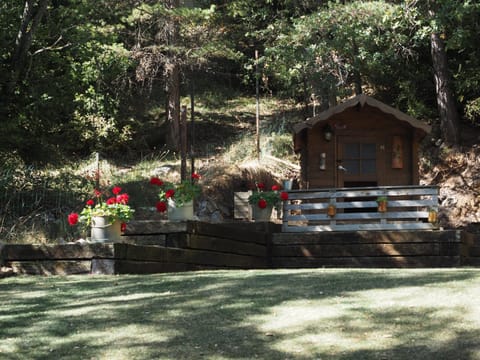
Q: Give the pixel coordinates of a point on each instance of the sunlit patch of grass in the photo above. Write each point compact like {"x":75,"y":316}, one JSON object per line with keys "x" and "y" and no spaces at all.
{"x":267,"y":314}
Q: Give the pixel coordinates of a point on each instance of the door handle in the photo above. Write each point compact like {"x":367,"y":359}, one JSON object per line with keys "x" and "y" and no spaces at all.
{"x":342,"y":168}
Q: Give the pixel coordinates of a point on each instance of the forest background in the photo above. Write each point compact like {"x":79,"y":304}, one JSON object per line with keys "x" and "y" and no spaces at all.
{"x":81,"y":77}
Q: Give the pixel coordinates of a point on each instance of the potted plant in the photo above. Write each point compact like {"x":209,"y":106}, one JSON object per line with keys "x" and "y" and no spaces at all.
{"x":382,"y":203}
{"x":263,"y":201}
{"x":177,"y":199}
{"x":106,"y":213}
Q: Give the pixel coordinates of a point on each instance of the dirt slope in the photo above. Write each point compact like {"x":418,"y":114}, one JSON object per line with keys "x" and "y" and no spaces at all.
{"x":457,"y":173}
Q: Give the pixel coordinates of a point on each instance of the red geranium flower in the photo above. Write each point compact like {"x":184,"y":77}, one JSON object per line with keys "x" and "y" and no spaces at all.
{"x":195,"y":176}
{"x":123,"y":199}
{"x":73,"y":219}
{"x":111,"y":201}
{"x":262,"y":203}
{"x":156,"y":181}
{"x":169,"y":193}
{"x":161,"y":206}
{"x":284,"y":195}
{"x":261,"y":186}
{"x":276,"y":187}
{"x":123,"y":227}
{"x":115,"y":207}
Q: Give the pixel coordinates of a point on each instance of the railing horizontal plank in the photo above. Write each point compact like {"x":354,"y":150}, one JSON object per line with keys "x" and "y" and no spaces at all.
{"x":356,"y":209}
{"x":358,"y":227}
{"x":359,"y":216}
{"x":361,"y":204}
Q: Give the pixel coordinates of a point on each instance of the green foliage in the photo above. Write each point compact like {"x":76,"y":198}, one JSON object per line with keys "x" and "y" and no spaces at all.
{"x":262,"y":198}
{"x":281,"y":145}
{"x":83,"y":87}
{"x":34,"y":200}
{"x":472,"y":111}
{"x":181,"y":193}
{"x":320,"y":53}
{"x":114,"y":208}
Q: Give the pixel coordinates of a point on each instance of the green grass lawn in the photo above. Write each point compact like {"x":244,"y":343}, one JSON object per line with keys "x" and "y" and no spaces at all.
{"x":268,"y":314}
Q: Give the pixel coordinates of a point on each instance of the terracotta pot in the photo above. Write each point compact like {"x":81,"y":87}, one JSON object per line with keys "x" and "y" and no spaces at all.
{"x":382,"y":206}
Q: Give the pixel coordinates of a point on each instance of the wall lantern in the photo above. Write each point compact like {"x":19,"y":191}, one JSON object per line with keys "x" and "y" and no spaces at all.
{"x":327,"y":132}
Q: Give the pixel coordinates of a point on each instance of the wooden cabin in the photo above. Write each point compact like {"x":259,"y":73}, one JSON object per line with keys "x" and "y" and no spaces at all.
{"x":358,"y":143}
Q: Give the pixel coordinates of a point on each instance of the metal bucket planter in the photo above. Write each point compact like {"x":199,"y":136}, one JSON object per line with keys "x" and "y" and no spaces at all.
{"x":103,"y":231}
{"x":259,"y":214}
{"x":287,"y":185}
{"x":180,"y":213}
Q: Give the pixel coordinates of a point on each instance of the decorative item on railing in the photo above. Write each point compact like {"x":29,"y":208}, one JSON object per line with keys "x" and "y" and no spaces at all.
{"x":408,"y":209}
{"x":432,"y":216}
{"x":331,"y":210}
{"x":382,"y":202}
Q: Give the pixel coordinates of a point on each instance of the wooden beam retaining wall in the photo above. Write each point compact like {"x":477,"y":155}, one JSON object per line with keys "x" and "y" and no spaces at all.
{"x":152,"y":247}
{"x":367,"y":249}
{"x":160,"y":246}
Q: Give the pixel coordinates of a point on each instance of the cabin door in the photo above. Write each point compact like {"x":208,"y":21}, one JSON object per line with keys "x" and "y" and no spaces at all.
{"x":359,"y":161}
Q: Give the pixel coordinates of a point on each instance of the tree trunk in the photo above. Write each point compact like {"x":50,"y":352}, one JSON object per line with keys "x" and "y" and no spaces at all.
{"x":172,"y":75}
{"x":447,"y":108}
{"x":31,"y":18}
{"x":357,"y":78}
{"x":32,"y":15}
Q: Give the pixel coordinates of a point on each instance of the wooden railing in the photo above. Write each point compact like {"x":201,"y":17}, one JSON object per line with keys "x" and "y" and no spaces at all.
{"x":353,"y":209}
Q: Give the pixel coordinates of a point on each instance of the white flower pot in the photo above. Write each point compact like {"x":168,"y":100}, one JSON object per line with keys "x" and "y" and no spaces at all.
{"x":103,"y":231}
{"x":180,"y":213}
{"x":259,"y":214}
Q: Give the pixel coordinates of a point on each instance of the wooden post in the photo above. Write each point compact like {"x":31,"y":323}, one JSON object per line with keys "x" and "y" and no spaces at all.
{"x":257,"y":112}
{"x":183,"y":142}
{"x":97,"y":171}
{"x":192,"y":124}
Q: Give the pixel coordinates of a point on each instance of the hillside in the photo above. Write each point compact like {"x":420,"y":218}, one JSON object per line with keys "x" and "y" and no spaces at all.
{"x":456,"y":172}
{"x":36,"y":200}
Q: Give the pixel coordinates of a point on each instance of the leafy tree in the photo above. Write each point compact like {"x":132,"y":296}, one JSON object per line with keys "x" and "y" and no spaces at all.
{"x":172,"y":40}
{"x":340,"y":49}
{"x":74,"y":73}
{"x":70,"y":87}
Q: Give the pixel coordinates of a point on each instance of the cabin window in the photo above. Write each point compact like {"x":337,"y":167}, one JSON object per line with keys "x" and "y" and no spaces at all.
{"x":360,"y":158}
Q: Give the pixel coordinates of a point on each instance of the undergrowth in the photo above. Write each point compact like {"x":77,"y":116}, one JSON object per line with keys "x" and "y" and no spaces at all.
{"x":35,"y":200}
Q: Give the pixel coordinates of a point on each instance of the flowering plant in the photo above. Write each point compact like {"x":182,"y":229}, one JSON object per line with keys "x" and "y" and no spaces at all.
{"x":115,"y":207}
{"x":263,"y":198}
{"x":181,"y":193}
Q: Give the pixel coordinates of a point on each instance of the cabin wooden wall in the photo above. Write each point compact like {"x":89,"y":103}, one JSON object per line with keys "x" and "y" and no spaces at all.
{"x":361,"y":122}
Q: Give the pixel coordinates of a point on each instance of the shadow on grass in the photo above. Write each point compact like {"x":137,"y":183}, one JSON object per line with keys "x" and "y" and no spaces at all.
{"x":298,"y":314}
